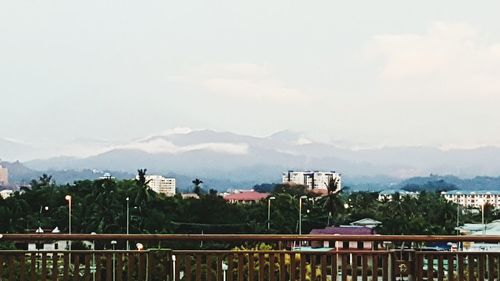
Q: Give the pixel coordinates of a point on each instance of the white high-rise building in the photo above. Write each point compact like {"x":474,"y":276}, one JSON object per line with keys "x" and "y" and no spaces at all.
{"x":315,"y":180}
{"x":4,"y":176}
{"x":161,"y":184}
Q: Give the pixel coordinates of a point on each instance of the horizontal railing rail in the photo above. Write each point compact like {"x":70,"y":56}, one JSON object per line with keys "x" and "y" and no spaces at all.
{"x":247,"y":237}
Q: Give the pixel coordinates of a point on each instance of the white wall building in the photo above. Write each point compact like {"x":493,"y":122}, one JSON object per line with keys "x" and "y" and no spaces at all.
{"x":161,"y":184}
{"x":473,"y":199}
{"x":388,"y":195}
{"x":312,"y":179}
{"x":6,"y":193}
{"x":4,"y":176}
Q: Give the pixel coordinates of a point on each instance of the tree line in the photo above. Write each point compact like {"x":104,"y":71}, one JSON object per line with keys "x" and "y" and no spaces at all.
{"x":101,"y":206}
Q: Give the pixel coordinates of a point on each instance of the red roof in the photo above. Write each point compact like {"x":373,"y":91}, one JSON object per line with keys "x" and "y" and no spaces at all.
{"x":347,"y":230}
{"x":246,"y":196}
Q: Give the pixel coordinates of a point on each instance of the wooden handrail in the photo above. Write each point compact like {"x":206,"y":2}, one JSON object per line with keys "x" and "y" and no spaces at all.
{"x":246,"y":237}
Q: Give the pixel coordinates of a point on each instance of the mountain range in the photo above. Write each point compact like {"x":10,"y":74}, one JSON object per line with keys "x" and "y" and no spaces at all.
{"x":242,"y":158}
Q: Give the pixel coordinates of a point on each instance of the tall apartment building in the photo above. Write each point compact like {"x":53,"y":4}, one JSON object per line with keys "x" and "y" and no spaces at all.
{"x":4,"y":176}
{"x":473,"y":199}
{"x":161,"y":185}
{"x":315,"y":180}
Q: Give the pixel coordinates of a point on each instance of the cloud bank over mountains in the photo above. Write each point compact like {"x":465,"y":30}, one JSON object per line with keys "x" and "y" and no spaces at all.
{"x":214,"y":154}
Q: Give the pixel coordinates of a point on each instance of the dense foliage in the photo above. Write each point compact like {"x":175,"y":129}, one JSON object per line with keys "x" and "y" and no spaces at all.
{"x":100,"y":206}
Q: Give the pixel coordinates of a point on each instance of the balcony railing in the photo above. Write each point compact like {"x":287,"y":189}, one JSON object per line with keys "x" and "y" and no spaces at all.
{"x":242,"y":257}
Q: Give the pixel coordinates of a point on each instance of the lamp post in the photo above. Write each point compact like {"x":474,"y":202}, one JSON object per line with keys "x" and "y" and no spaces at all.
{"x":300,"y":213}
{"x":68,"y":198}
{"x":128,"y":220}
{"x":269,"y":212}
{"x":482,"y":202}
{"x":113,"y":244}
{"x":93,"y":267}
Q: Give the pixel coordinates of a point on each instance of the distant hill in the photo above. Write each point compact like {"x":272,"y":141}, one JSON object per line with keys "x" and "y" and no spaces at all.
{"x":237,"y":159}
{"x":476,"y":183}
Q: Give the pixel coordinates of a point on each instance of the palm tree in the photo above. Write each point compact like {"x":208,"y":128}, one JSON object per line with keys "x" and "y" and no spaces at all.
{"x":197,"y":186}
{"x":333,"y":202}
{"x":143,"y":193}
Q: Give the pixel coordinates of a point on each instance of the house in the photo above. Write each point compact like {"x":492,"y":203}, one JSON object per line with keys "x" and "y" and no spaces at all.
{"x":345,"y":230}
{"x":347,"y":246}
{"x":475,"y":229}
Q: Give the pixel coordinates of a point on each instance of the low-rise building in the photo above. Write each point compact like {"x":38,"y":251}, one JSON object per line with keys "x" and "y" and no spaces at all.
{"x":245,"y":196}
{"x":6,"y":193}
{"x":473,"y":199}
{"x":345,"y":230}
{"x":161,"y":184}
{"x":190,"y":196}
{"x":314,"y":180}
{"x":388,"y":195}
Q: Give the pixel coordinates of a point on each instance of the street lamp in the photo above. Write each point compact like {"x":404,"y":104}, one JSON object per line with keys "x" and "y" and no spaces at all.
{"x":300,"y":213}
{"x":128,"y":220}
{"x":269,"y":212}
{"x":68,"y":198}
{"x":113,"y":244}
{"x":482,"y":202}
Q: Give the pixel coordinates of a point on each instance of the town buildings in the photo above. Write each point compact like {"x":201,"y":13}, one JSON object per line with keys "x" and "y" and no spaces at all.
{"x":314,"y":180}
{"x":4,"y":176}
{"x":161,"y":184}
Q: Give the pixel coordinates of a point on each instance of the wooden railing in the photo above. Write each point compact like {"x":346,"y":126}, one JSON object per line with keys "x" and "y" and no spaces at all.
{"x":84,"y":265}
{"x":199,"y":257}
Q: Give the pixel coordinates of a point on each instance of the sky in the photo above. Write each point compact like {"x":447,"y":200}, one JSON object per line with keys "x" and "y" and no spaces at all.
{"x":356,"y":73}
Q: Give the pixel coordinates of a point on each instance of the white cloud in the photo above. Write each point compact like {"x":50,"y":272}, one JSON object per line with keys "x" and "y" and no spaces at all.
{"x":163,"y":146}
{"x":448,"y":60}
{"x":242,"y":80}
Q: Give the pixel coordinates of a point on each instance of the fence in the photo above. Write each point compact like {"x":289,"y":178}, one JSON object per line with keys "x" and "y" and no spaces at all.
{"x":395,"y":258}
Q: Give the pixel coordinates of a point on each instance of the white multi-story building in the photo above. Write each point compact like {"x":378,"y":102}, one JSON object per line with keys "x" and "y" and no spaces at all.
{"x":4,"y":176}
{"x":473,"y":199}
{"x":161,"y":184}
{"x":316,"y":180}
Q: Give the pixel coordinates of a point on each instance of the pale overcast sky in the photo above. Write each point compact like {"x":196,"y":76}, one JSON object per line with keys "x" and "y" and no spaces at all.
{"x":354,"y":72}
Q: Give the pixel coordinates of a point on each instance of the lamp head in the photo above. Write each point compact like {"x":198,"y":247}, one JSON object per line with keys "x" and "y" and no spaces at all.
{"x":67,"y":197}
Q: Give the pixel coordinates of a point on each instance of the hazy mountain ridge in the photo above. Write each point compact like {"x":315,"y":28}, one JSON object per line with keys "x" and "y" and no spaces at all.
{"x":242,"y":158}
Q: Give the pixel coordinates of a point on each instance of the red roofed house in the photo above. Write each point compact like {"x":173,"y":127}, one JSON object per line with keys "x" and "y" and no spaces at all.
{"x":345,"y":230}
{"x":246,"y":197}
{"x":347,"y":245}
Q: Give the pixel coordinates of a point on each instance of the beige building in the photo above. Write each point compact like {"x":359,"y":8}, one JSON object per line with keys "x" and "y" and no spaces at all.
{"x":4,"y":176}
{"x":161,"y":185}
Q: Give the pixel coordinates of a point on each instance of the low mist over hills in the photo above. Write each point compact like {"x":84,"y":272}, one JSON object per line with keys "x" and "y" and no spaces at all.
{"x":241,"y":158}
